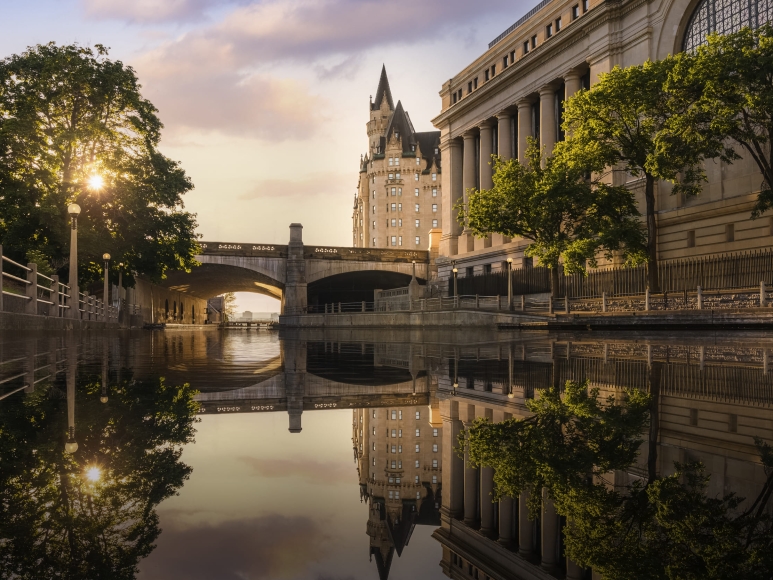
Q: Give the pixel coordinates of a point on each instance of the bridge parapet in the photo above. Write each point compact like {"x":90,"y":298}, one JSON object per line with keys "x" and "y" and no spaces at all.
{"x":251,"y":250}
{"x":244,"y":250}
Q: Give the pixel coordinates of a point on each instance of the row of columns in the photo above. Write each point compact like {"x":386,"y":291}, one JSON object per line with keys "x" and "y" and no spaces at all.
{"x":463,"y":161}
{"x":471,"y":492}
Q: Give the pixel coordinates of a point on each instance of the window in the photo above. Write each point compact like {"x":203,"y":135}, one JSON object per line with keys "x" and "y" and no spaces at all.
{"x":418,"y":161}
{"x":374,"y":223}
{"x":434,"y":223}
{"x":434,"y":463}
{"x":434,"y":208}
{"x":418,"y":414}
{"x":399,"y":191}
{"x":485,"y":75}
{"x":394,"y":415}
{"x":399,"y":432}
{"x":434,"y":177}
{"x":730,"y":232}
{"x":397,"y":162}
{"x":526,"y":47}
{"x":400,"y":415}
{"x":374,"y":242}
{"x":416,"y":177}
{"x":393,"y":191}
{"x":417,"y":223}
{"x":416,"y":192}
{"x":732,"y":423}
{"x":400,"y":240}
{"x":400,"y":222}
{"x":397,"y":480}
{"x":399,"y":448}
{"x":693,"y":417}
{"x":391,"y":494}
{"x":505,"y":61}
{"x":374,"y":414}
{"x":399,"y":464}
{"x":374,"y":194}
{"x":391,"y":176}
{"x":391,"y":479}
{"x":394,"y":449}
{"x":397,"y":176}
{"x":434,"y":192}
{"x":374,"y":209}
{"x":691,"y":239}
{"x":558,"y":24}
{"x":434,"y":447}
{"x":374,"y":447}
{"x":487,"y":268}
{"x":417,"y":207}
{"x":393,"y":207}
{"x":475,"y":83}
{"x":418,"y":240}
{"x":399,"y":207}
{"x":434,"y":479}
{"x":418,"y":493}
{"x":417,"y":463}
{"x":394,"y":222}
{"x":584,"y":6}
{"x":374,"y":430}
{"x":390,"y":162}
{"x":374,"y":459}
{"x":394,"y":433}
{"x":534,"y":41}
{"x":417,"y":448}
{"x":512,"y":56}
{"x":470,"y":271}
{"x":469,"y":87}
{"x":434,"y":432}
{"x":418,"y":433}
{"x":549,"y":31}
{"x":575,"y":11}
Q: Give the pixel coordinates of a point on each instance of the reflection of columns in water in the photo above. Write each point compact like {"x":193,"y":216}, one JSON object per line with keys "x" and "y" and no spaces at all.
{"x":550,"y":528}
{"x":506,"y":521}
{"x":487,"y":506}
{"x":71,"y":446}
{"x":525,"y":526}
{"x":453,"y":465}
{"x":471,"y":477}
{"x":295,"y":380}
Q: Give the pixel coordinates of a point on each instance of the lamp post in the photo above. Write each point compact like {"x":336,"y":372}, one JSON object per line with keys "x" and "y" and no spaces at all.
{"x":456,"y":294}
{"x":509,"y":283}
{"x":71,"y":445}
{"x":74,"y":211}
{"x":105,"y":302}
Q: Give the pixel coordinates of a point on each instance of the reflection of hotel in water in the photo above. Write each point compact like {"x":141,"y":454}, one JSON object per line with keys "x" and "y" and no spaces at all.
{"x":713,"y":400}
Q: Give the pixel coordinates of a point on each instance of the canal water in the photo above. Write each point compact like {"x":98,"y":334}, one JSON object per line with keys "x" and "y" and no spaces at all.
{"x":244,"y":454}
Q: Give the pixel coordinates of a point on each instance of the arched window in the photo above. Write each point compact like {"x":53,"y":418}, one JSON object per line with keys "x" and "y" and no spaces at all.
{"x":725,"y":17}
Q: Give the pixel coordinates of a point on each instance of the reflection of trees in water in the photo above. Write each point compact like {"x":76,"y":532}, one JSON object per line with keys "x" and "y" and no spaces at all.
{"x":90,"y":514}
{"x":658,"y":528}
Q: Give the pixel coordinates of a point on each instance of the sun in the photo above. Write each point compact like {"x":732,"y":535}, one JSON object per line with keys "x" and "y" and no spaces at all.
{"x":93,"y":474}
{"x":96,"y":182}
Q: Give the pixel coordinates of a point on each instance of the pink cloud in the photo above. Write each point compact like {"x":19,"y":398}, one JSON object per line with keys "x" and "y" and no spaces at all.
{"x":314,"y":471}
{"x":150,"y":11}
{"x":315,"y":184}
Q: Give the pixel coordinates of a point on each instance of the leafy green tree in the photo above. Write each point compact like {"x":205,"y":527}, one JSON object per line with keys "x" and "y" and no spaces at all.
{"x":74,"y":128}
{"x":614,"y":127}
{"x":60,"y":519}
{"x":568,"y":218}
{"x":662,"y":529}
{"x":724,"y":93}
{"x":229,"y":305}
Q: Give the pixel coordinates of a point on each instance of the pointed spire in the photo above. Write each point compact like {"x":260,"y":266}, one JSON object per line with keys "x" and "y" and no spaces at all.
{"x":383,"y":91}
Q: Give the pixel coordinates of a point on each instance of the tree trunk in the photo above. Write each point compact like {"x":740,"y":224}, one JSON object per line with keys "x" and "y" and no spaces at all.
{"x":554,"y":281}
{"x":652,"y":454}
{"x":652,"y":234}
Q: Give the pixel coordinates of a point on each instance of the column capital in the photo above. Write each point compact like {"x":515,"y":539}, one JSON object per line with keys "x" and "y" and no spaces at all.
{"x":524,"y":103}
{"x":485,"y":125}
{"x":449,"y":144}
{"x":572,"y":75}
{"x":503,"y":116}
{"x":469,"y":134}
{"x":547,"y":90}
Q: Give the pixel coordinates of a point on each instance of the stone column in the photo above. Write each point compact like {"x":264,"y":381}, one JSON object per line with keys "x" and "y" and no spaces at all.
{"x":471,"y":477}
{"x":486,"y":150}
{"x":453,"y":465}
{"x":452,"y":190}
{"x":573,"y":571}
{"x":547,"y":124}
{"x":524,"y":128}
{"x":506,"y":521}
{"x":525,"y":525}
{"x":294,"y":299}
{"x":572,"y":83}
{"x":504,"y":143}
{"x":468,"y":182}
{"x":486,"y":501}
{"x":294,"y":360}
{"x":550,"y":529}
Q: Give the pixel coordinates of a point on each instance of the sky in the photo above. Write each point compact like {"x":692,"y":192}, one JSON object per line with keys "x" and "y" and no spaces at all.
{"x":264,"y":102}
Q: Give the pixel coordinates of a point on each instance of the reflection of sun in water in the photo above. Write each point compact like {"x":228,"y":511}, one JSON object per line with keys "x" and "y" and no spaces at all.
{"x":93,"y":474}
{"x":96,"y":182}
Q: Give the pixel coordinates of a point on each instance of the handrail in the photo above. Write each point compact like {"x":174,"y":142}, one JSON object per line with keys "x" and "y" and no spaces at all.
{"x":7,"y":275}
{"x":7,"y":259}
{"x":45,"y":277}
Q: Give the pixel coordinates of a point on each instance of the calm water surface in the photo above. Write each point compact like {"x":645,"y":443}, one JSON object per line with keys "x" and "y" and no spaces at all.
{"x":246,"y":455}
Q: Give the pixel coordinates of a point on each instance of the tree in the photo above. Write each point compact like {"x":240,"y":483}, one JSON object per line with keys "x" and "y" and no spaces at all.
{"x":55,"y":521}
{"x":74,"y":128}
{"x":229,"y":305}
{"x":663,"y":529}
{"x":616,"y":125}
{"x":725,"y":91}
{"x":568,"y":218}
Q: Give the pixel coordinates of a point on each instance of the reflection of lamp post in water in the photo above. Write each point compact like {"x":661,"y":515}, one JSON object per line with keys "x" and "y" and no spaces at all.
{"x":105,"y":302}
{"x":74,"y":210}
{"x":456,"y":295}
{"x":509,"y":283}
{"x":71,"y":446}
{"x":103,"y":398}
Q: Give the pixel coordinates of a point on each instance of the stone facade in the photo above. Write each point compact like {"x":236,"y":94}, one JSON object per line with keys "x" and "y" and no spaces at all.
{"x":516,"y":90}
{"x":399,"y":193}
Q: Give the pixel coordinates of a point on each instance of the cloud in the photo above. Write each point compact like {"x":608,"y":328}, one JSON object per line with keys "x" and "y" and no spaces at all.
{"x":151,"y":11}
{"x":272,"y":546}
{"x":313,"y":185}
{"x":313,"y":471}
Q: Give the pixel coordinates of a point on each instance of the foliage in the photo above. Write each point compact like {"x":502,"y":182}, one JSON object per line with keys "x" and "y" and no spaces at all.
{"x":724,"y":95}
{"x":68,"y":113}
{"x":615,"y":125}
{"x":664,"y":529}
{"x":39,"y":258}
{"x":568,"y":218}
{"x":229,"y":305}
{"x":54,"y":522}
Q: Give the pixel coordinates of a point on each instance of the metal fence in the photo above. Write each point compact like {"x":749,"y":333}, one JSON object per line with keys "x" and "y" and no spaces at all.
{"x":724,"y":272}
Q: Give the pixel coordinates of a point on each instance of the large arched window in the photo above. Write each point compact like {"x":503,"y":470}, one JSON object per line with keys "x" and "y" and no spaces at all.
{"x":724,"y":17}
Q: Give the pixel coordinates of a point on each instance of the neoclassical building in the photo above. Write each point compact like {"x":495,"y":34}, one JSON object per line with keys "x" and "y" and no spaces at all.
{"x":516,"y":89}
{"x":399,"y":192}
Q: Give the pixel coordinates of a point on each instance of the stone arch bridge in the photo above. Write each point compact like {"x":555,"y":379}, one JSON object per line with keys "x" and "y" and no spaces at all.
{"x":299,"y":275}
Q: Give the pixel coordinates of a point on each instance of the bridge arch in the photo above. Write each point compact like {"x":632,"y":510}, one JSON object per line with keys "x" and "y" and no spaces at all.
{"x":215,"y":277}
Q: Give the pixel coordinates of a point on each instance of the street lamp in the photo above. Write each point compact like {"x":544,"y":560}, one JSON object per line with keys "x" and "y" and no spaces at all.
{"x":74,"y":211}
{"x":106,"y":258}
{"x":509,"y":283}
